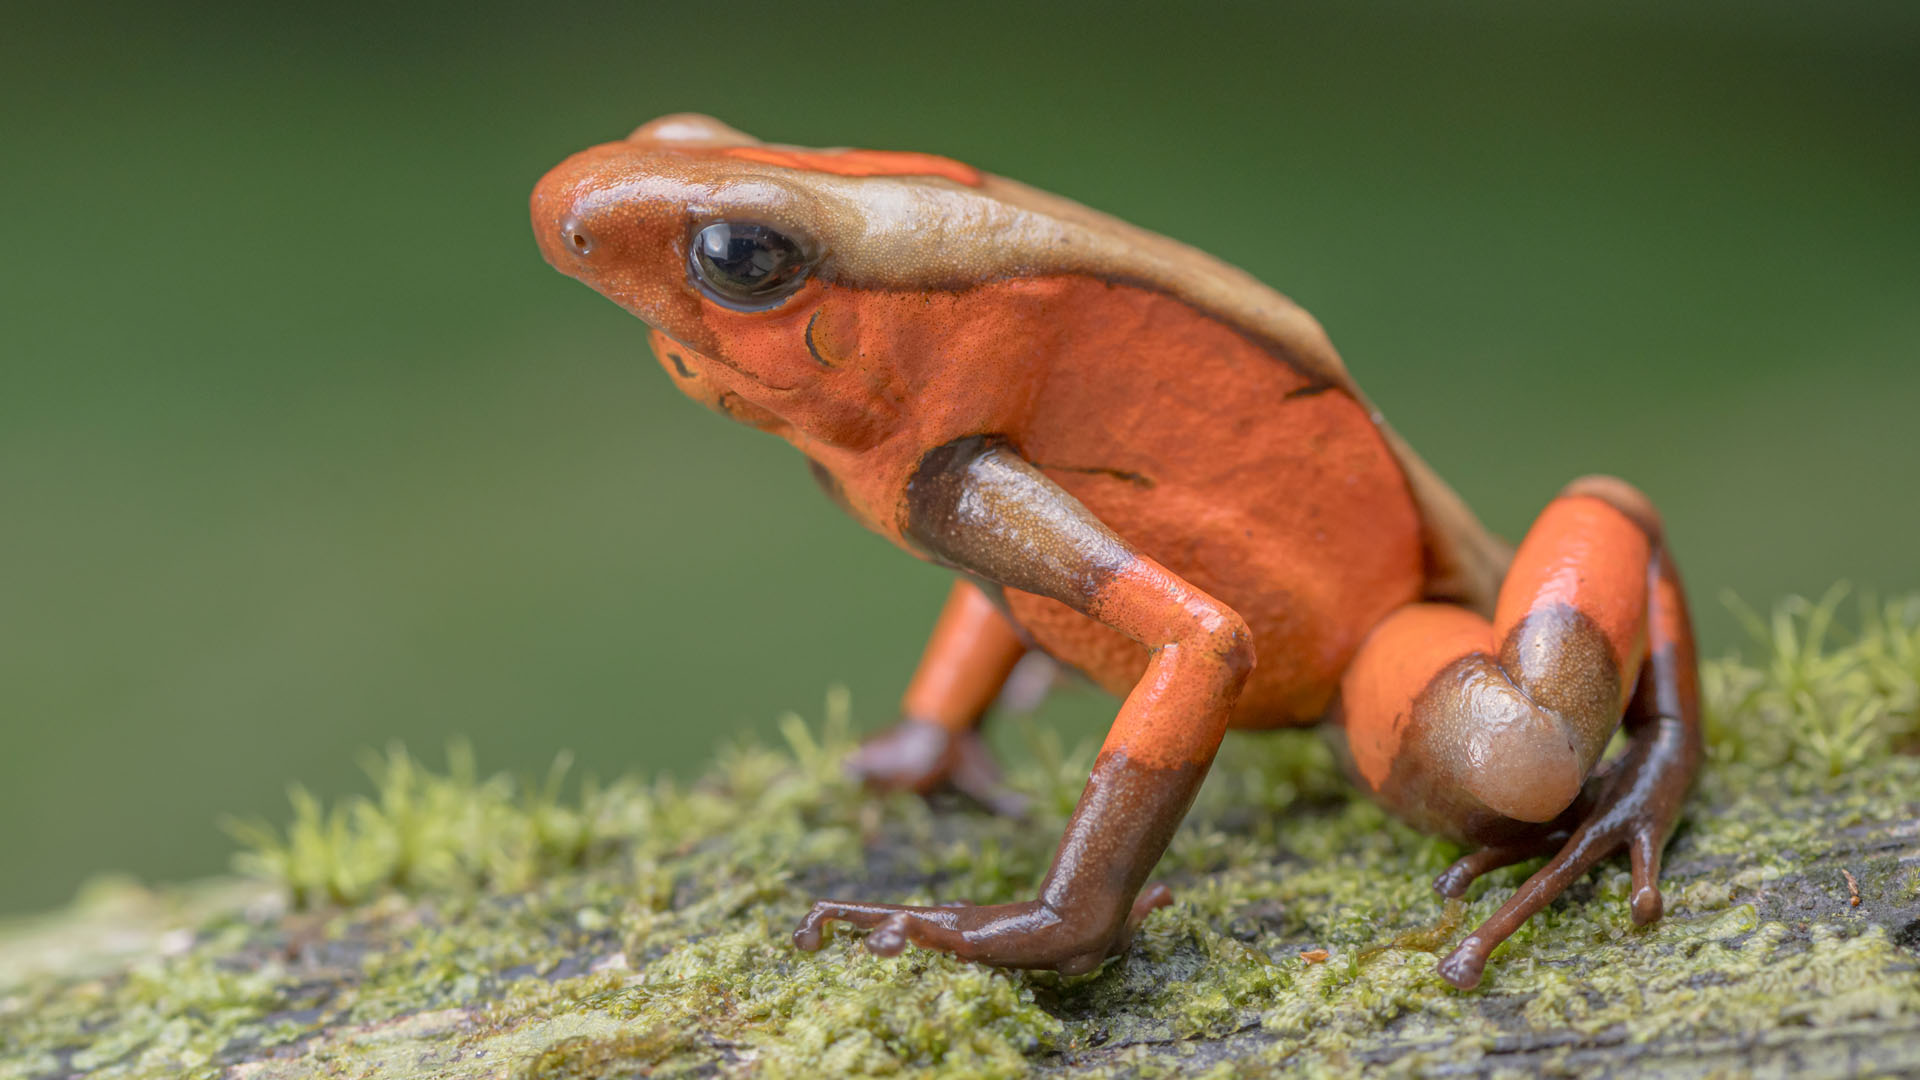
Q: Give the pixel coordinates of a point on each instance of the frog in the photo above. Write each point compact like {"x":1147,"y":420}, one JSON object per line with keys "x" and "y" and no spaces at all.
{"x":1154,"y":470}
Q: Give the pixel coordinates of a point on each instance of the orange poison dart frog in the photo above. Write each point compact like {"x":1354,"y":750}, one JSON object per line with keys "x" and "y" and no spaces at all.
{"x":1156,"y":470}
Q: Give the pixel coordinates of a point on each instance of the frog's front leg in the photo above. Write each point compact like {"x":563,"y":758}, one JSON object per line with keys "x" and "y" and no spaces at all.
{"x":977,"y":505}
{"x":937,"y":742}
{"x":1493,"y":732}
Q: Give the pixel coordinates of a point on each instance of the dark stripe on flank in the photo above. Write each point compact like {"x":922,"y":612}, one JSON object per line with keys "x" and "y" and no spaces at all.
{"x":1140,"y":480}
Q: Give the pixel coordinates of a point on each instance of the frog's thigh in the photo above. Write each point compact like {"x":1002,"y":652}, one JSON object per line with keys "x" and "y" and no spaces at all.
{"x":1468,"y":727}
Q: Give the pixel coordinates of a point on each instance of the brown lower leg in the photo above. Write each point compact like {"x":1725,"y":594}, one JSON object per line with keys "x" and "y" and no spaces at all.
{"x":1092,"y":897}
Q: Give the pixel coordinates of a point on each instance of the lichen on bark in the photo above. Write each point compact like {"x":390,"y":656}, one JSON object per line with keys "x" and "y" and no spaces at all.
{"x":453,"y":925}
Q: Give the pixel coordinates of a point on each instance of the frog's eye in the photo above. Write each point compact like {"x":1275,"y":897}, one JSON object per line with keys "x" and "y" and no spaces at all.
{"x":747,"y":266}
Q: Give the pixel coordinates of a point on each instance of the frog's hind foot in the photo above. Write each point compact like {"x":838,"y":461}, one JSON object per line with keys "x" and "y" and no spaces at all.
{"x":1455,"y":880}
{"x":1524,"y":844}
{"x":1636,"y":811}
{"x":1496,"y":729}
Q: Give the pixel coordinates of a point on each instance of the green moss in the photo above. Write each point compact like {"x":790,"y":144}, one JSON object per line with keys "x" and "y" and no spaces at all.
{"x":458,"y":925}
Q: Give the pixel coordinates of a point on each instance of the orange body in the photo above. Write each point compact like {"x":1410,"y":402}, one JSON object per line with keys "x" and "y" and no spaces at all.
{"x":1208,"y":453}
{"x":1158,"y":472}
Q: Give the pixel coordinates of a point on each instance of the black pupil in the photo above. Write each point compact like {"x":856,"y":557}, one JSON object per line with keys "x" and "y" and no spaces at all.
{"x":746,"y":262}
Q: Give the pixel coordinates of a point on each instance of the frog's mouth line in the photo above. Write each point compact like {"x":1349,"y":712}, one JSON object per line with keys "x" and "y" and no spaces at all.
{"x":744,"y":373}
{"x":680,"y":366}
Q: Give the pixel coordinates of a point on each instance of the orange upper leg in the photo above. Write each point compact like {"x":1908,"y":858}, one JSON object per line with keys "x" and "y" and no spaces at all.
{"x":1396,"y":662}
{"x":1583,"y":553}
{"x":1177,"y":714}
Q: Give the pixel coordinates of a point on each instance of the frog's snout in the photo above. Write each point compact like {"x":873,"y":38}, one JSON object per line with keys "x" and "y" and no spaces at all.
{"x":563,"y":222}
{"x":575,"y":237}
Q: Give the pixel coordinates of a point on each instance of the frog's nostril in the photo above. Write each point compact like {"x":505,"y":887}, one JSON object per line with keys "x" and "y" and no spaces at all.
{"x":575,"y":237}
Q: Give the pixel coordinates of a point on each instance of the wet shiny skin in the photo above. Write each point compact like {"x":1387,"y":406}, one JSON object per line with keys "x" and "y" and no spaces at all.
{"x":1155,"y":470}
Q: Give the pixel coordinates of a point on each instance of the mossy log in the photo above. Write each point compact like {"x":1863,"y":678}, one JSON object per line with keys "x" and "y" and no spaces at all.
{"x":453,"y":926}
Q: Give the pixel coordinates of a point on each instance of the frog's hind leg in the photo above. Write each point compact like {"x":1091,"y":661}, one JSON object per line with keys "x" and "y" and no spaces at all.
{"x":1491,"y":732}
{"x":937,"y":743}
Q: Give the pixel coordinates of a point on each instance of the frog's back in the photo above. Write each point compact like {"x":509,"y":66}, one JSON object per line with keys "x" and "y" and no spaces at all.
{"x":1461,"y":561}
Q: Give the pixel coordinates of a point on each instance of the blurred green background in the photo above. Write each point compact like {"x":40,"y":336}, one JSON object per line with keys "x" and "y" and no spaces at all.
{"x":304,"y":449}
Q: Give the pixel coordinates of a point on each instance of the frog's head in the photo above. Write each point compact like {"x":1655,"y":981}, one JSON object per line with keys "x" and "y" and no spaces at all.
{"x":819,"y":294}
{"x":730,"y":249}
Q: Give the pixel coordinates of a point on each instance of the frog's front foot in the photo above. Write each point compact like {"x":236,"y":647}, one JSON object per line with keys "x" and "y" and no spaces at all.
{"x":917,"y":756}
{"x":1023,"y":935}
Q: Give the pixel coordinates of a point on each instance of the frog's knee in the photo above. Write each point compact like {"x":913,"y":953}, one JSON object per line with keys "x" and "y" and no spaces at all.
{"x":1464,"y":737}
{"x":1490,"y":741}
{"x":1620,"y":495}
